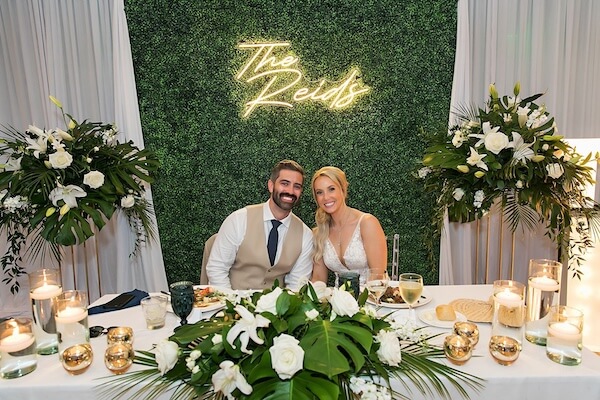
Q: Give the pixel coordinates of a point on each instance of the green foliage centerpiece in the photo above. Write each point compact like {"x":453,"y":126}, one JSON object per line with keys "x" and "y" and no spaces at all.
{"x":317,"y":343}
{"x":510,"y":153}
{"x":55,"y":185}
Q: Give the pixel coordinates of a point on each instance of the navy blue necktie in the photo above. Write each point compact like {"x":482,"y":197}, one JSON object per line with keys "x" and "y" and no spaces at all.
{"x":273,"y":239}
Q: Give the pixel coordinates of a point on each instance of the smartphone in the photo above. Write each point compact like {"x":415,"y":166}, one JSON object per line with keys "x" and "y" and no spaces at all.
{"x":119,"y":301}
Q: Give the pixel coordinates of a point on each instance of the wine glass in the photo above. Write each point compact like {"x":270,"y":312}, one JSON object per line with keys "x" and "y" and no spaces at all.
{"x":411,"y":287}
{"x":377,"y":283}
{"x":182,"y":299}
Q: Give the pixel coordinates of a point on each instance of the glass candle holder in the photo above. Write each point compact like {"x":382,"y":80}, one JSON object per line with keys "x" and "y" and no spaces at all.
{"x":564,"y":340}
{"x":71,"y":317}
{"x":542,"y":292}
{"x":509,"y":309}
{"x":505,"y":350}
{"x":18,"y":354}
{"x":44,"y":286}
{"x":118,"y":357}
{"x":468,"y":330}
{"x":458,"y":349}
{"x":120,"y":334}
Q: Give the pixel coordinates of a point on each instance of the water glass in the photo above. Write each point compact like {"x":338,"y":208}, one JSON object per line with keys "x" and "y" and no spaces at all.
{"x":18,"y":354}
{"x":74,"y":349}
{"x":155,"y":311}
{"x":564,"y":340}
{"x":542,"y":293}
{"x":509,"y":309}
{"x":182,"y":299}
{"x":44,"y":286}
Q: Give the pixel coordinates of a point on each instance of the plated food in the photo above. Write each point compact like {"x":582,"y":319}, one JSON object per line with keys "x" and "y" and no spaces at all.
{"x":391,"y":298}
{"x":205,"y":297}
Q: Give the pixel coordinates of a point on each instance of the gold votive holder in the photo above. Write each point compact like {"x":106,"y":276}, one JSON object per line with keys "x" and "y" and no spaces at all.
{"x":504,"y":349}
{"x":76,"y":359}
{"x":118,"y":357}
{"x":120,"y":334}
{"x":468,"y":330}
{"x":458,"y":349}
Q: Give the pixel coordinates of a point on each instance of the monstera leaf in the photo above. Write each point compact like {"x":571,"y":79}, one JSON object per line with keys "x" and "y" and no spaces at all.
{"x":329,"y":345}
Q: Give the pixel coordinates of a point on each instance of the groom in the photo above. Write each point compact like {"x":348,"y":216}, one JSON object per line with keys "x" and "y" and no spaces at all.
{"x":261,"y":243}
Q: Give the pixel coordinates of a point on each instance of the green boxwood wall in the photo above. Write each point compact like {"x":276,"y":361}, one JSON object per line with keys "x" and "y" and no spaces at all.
{"x":214,"y":162}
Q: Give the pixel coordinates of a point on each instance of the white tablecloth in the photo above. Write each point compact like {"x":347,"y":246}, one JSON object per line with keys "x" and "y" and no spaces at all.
{"x":532,"y":376}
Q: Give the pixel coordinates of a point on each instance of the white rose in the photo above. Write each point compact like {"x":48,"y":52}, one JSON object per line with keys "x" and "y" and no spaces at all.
{"x":389,"y":348}
{"x":495,"y":141}
{"x":555,"y":170}
{"x":268,"y":302}
{"x":343,"y":303}
{"x":458,"y":194}
{"x":61,"y":159}
{"x":94,"y":179}
{"x":287,"y":357}
{"x":166,"y":355}
{"x":127,"y":201}
{"x":312,"y":314}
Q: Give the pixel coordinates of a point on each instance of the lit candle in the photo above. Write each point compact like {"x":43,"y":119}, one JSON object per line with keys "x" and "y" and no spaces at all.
{"x":70,"y":315}
{"x":45,"y":292}
{"x":508,"y":298}
{"x":16,"y":342}
{"x":564,"y":330}
{"x":544,"y":283}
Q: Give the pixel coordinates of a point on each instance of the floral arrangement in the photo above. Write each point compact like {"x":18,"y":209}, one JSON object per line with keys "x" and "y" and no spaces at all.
{"x":317,"y":343}
{"x":55,"y":185}
{"x":510,"y":153}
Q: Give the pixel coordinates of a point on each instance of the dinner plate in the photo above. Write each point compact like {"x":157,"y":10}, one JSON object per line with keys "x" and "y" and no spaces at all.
{"x":424,"y":299}
{"x":429,"y":317}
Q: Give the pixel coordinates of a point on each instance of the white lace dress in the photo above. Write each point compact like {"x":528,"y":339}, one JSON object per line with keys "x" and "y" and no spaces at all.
{"x":354,"y":257}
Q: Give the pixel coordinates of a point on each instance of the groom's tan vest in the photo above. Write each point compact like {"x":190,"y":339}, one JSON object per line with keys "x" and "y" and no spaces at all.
{"x":251,"y":268}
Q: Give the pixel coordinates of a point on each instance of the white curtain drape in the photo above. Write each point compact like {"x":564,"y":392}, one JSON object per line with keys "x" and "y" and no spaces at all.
{"x":79,"y":52}
{"x":549,"y":46}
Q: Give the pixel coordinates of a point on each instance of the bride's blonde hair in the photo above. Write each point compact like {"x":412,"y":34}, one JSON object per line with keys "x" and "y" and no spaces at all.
{"x":322,"y":219}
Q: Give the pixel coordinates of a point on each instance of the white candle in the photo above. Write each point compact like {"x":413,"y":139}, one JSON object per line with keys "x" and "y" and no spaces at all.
{"x":16,"y":342}
{"x":544,"y":283}
{"x":508,"y":298}
{"x":45,"y":292}
{"x":70,"y":315}
{"x":564,"y":330}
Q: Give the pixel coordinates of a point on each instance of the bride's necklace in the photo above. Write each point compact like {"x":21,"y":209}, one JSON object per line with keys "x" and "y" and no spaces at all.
{"x":341,"y":228}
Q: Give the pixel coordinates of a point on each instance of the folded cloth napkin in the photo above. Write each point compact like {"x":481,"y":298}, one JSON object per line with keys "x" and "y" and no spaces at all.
{"x":137,"y":294}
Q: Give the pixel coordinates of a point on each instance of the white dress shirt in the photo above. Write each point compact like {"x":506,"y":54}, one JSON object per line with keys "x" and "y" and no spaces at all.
{"x":230,"y":237}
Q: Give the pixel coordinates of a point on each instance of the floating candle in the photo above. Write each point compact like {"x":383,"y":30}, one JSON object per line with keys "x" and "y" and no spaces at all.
{"x":16,"y":342}
{"x":70,"y":315}
{"x":45,"y":292}
{"x":544,"y":283}
{"x":564,"y":330}
{"x":508,"y":298}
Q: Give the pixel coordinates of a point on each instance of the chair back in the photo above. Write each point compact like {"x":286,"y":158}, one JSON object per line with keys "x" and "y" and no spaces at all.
{"x":205,"y":254}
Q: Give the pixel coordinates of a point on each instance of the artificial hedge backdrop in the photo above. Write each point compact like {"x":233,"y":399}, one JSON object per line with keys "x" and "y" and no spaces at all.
{"x":214,"y":161}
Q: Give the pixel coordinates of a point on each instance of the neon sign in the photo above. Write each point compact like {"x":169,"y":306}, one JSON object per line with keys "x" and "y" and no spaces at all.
{"x":284,"y":81}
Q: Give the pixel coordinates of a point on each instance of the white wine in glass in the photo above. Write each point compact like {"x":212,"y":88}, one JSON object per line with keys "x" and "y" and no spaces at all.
{"x":411,"y":287}
{"x":377,"y":283}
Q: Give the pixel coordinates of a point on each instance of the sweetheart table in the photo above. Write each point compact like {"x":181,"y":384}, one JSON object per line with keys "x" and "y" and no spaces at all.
{"x":532,"y":376}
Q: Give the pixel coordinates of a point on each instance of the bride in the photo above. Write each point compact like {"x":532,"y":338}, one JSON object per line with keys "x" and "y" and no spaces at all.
{"x":344,"y":238}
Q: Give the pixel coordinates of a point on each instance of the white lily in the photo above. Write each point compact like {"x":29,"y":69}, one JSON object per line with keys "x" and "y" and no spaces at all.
{"x":523,"y":113}
{"x":228,"y":378}
{"x":246,"y":328}
{"x":38,"y":145}
{"x":476,"y":159}
{"x":522,"y":149}
{"x":68,"y":194}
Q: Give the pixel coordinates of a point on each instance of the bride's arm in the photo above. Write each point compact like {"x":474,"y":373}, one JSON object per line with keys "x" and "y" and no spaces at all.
{"x":319,"y":272}
{"x":374,"y":242}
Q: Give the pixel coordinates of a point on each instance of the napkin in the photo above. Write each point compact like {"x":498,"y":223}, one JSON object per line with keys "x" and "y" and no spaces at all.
{"x":138,"y":295}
